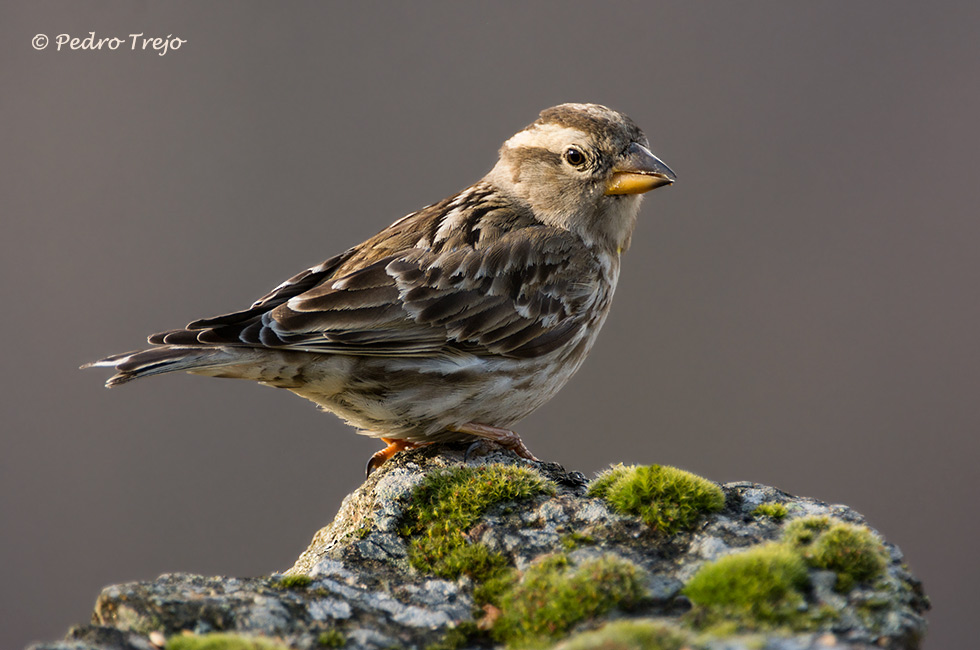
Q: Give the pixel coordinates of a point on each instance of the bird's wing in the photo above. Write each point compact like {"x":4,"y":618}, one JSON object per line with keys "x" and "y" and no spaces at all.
{"x":294,"y":286}
{"x":523,"y":295}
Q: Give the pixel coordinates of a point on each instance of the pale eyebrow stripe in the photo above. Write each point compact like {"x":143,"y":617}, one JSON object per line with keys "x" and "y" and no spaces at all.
{"x":549,"y":136}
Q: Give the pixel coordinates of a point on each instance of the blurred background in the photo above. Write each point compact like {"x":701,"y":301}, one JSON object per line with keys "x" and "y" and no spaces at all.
{"x":800,"y":309}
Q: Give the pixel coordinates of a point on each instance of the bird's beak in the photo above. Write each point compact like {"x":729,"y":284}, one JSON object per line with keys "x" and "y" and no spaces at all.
{"x":639,"y":171}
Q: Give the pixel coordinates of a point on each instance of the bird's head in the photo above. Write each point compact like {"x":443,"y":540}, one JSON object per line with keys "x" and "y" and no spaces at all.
{"x":583,"y":168}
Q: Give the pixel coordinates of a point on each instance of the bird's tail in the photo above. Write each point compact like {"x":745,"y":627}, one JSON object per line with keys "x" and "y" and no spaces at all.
{"x":156,"y":361}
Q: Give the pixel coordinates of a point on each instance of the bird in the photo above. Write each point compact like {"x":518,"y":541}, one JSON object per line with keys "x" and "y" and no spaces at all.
{"x":459,"y":319}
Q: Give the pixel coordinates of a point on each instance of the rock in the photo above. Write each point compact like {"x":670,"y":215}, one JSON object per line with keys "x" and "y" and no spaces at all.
{"x":434,"y":552}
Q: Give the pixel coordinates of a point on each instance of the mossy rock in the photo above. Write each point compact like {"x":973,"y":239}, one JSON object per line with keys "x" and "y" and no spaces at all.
{"x":450,"y":502}
{"x":669,"y":499}
{"x":639,"y":634}
{"x":765,"y":587}
{"x":553,"y":595}
{"x":761,"y":588}
{"x":851,"y":551}
{"x":293,"y":582}
{"x":331,"y":639}
{"x":801,"y":533}
{"x":774,"y":511}
{"x":530,"y":557}
{"x":222,"y":641}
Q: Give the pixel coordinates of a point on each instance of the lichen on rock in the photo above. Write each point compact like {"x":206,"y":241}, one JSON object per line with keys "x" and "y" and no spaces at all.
{"x":438,"y":551}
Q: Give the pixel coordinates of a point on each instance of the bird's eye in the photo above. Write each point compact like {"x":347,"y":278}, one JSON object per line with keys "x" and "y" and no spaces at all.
{"x":575,"y":157}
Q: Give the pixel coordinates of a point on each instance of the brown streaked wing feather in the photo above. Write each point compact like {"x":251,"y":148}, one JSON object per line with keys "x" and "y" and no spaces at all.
{"x":515,"y":295}
{"x":232,"y":322}
{"x":523,"y":293}
{"x":294,"y":286}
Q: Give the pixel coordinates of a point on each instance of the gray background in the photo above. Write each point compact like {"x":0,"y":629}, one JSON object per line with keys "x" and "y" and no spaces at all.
{"x":800,"y":309}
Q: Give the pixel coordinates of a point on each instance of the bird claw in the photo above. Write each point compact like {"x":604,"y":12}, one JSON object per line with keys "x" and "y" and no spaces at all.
{"x":381,"y":456}
{"x":476,"y":444}
{"x":503,"y":437}
{"x":374,"y":462}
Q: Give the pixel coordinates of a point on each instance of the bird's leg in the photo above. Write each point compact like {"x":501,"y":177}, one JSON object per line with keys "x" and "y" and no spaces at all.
{"x":503,"y":437}
{"x":379,"y":457}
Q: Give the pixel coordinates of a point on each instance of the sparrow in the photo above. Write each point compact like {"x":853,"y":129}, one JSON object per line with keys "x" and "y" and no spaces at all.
{"x":458,"y":320}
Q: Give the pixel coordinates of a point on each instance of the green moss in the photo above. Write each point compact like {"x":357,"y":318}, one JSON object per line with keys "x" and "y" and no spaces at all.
{"x":629,"y":635}
{"x":760,"y":588}
{"x":491,"y":591}
{"x":473,"y":560}
{"x":293,"y":582}
{"x":667,"y":498}
{"x":449,"y":503}
{"x":362,"y":532}
{"x":221,"y":641}
{"x":772,"y":510}
{"x":850,"y":551}
{"x":599,"y":487}
{"x":552,"y":596}
{"x":763,"y":588}
{"x":573,"y":540}
{"x":331,"y":639}
{"x":800,"y":533}
{"x":460,"y":636}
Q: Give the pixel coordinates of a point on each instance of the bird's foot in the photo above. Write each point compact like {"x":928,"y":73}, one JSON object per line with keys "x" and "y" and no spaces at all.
{"x":503,"y":437}
{"x":379,"y":457}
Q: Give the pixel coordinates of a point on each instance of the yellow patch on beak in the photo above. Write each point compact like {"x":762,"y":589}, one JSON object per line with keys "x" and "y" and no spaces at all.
{"x":633,"y":183}
{"x":638,"y":171}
